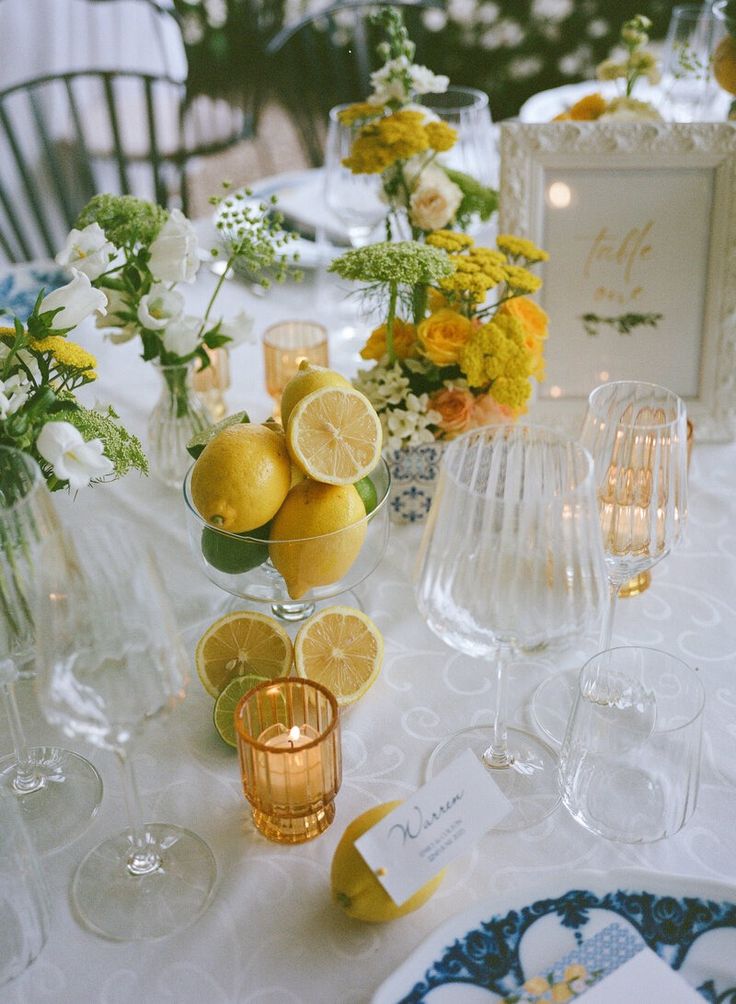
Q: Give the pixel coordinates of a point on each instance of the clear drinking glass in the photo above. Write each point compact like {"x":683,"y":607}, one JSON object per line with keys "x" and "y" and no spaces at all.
{"x":24,"y":909}
{"x":467,"y":110}
{"x":511,"y":559}
{"x":630,"y":760}
{"x":355,"y":199}
{"x":637,"y":435}
{"x":58,"y":792}
{"x":689,"y":88}
{"x":110,"y":659}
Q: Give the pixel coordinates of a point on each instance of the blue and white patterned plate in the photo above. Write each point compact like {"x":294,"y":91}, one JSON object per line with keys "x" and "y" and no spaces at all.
{"x":485,"y":954}
{"x":21,"y":284}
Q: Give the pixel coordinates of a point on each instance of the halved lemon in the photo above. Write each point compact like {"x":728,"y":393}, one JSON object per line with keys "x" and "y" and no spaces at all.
{"x":334,"y":435}
{"x":240,"y":643}
{"x":224,"y":711}
{"x":342,"y":649}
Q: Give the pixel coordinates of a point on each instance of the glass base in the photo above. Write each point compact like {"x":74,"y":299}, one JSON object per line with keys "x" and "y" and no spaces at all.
{"x":64,"y":800}
{"x":552,"y":703}
{"x":112,"y":901}
{"x":636,"y":586}
{"x":297,"y":830}
{"x":529,"y":783}
{"x":288,"y":613}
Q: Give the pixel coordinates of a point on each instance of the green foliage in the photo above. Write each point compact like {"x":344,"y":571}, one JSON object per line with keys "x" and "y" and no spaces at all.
{"x":477,"y":198}
{"x":624,"y":324}
{"x":121,"y":447}
{"x":126,"y":219}
{"x":404,"y":263}
{"x":254,"y":238}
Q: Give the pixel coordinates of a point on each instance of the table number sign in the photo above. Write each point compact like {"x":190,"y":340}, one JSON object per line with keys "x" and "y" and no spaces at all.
{"x":640,"y":223}
{"x":440,"y":821}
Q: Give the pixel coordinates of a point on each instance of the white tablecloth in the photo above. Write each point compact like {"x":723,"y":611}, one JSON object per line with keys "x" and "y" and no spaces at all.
{"x":272,"y":935}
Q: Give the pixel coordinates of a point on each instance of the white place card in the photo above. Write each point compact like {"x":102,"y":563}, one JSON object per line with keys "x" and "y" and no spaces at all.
{"x":645,"y":977}
{"x":437,"y":824}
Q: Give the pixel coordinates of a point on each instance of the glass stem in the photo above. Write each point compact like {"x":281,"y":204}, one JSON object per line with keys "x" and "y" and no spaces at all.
{"x":26,"y":777}
{"x":144,"y":857}
{"x":497,"y":754}
{"x":608,"y":617}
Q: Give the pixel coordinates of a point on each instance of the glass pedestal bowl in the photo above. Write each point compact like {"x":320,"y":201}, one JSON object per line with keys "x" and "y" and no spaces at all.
{"x":318,"y":568}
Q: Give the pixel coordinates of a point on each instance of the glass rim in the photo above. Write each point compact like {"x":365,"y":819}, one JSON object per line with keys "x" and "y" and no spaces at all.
{"x":480,"y":98}
{"x":316,"y":325}
{"x":691,"y":671}
{"x":555,"y":437}
{"x":34,"y":471}
{"x":245,"y":539}
{"x":676,"y":400}
{"x":291,"y":680}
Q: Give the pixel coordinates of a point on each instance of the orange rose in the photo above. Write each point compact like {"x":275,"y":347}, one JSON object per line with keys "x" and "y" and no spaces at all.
{"x":443,"y":335}
{"x":487,"y":411}
{"x":456,"y":407}
{"x":405,"y":336}
{"x":536,"y":328}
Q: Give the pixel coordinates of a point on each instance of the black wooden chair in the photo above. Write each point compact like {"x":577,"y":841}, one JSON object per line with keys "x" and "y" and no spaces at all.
{"x":326,"y":59}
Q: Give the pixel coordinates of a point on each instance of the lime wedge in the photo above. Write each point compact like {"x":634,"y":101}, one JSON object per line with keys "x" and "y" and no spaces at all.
{"x":227,"y":702}
{"x":197,"y":443}
{"x":367,"y":491}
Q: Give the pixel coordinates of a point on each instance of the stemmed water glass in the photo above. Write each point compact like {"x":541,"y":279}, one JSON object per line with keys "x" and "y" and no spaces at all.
{"x":355,"y":199}
{"x":110,"y":659}
{"x":467,"y":110}
{"x":637,"y":435}
{"x":58,"y":791}
{"x":511,"y":559}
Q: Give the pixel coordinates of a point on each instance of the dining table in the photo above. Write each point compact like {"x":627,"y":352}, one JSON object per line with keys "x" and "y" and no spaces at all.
{"x":272,"y":934}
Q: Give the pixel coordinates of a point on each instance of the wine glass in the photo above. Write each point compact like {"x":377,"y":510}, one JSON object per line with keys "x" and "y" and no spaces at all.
{"x":511,"y":559}
{"x":58,"y":792}
{"x":689,"y":88}
{"x":467,"y":110}
{"x":637,"y":435}
{"x":110,"y":659}
{"x":355,"y":199}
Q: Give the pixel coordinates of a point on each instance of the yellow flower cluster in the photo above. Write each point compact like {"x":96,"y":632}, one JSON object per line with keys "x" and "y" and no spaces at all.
{"x":67,"y":353}
{"x":521,"y":280}
{"x":359,"y":111}
{"x":496,"y":356}
{"x":520,"y":247}
{"x":395,"y":137}
{"x":449,"y":240}
{"x":476,"y":271}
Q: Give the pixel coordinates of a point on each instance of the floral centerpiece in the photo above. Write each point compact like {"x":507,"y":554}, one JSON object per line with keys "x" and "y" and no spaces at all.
{"x":403,"y":142}
{"x":636,"y":63}
{"x":136,"y":255}
{"x":461,"y":342}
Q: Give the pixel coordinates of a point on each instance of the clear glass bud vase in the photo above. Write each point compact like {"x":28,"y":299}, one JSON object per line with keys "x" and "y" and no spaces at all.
{"x":178,"y":415}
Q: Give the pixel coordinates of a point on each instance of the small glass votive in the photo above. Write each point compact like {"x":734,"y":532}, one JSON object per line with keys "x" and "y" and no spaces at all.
{"x":290,"y":757}
{"x":285,"y":346}
{"x":630,"y":760}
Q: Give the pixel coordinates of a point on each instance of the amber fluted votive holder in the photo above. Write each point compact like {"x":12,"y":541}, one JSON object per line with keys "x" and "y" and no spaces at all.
{"x":285,"y":346}
{"x":288,"y":733}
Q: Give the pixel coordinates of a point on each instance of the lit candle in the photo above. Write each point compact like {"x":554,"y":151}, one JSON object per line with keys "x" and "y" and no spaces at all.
{"x":291,"y":775}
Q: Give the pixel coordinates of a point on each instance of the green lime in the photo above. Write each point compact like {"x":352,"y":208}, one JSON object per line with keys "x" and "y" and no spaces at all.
{"x":197,"y":443}
{"x":227,"y":702}
{"x":228,"y":554}
{"x":367,"y":491}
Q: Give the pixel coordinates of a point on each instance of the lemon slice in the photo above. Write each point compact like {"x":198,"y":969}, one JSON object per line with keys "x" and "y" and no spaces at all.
{"x":241,"y":643}
{"x":334,"y":435}
{"x":342,"y":649}
{"x":227,"y":702}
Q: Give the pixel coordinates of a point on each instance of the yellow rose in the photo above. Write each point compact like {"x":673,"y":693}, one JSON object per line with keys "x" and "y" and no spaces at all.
{"x":405,"y":336}
{"x":443,"y":336}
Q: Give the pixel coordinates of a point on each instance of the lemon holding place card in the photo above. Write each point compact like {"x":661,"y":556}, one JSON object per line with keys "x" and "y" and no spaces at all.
{"x":355,"y":887}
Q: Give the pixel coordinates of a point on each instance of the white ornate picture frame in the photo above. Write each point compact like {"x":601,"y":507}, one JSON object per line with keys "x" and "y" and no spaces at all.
{"x":639,"y":219}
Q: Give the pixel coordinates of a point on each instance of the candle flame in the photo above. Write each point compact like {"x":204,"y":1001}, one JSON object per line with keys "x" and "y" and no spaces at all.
{"x":294,"y":733}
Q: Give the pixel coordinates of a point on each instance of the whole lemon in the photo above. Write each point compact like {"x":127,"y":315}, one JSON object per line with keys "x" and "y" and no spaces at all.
{"x":241,"y":477}
{"x":354,"y":886}
{"x":298,"y":548}
{"x":724,"y":64}
{"x":308,"y":378}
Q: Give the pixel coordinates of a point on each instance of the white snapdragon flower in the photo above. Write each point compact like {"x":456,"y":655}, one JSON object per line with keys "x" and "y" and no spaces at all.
{"x":435,"y":200}
{"x":390,"y":81}
{"x":423,"y":81}
{"x":61,"y":445}
{"x":14,"y":391}
{"x":160,"y":307}
{"x":87,"y":251}
{"x":239,"y":329}
{"x":181,"y":337}
{"x":78,"y":299}
{"x":174,"y":251}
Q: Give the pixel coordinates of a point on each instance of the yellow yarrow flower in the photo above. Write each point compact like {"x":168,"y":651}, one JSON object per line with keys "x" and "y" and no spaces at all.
{"x":449,"y":240}
{"x":521,"y":280}
{"x":441,"y":136}
{"x":519,"y":247}
{"x":380,"y":144}
{"x":495,"y":357}
{"x":360,"y":110}
{"x":66,"y":353}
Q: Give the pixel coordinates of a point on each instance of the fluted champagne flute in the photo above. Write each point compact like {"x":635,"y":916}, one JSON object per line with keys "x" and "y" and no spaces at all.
{"x":637,"y":435}
{"x":110,"y":659}
{"x":57,"y":791}
{"x":511,"y":558}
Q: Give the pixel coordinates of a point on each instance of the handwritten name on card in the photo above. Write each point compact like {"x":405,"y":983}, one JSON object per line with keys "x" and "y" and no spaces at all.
{"x":437,"y":824}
